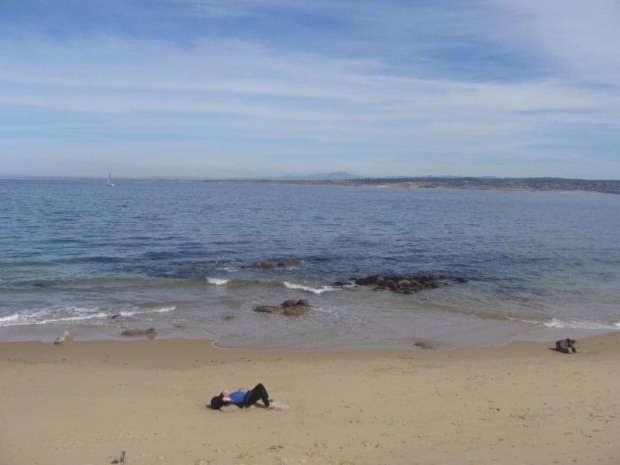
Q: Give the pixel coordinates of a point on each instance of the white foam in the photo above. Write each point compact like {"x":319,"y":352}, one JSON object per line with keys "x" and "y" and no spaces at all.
{"x":70,"y":314}
{"x":218,"y":281}
{"x":128,"y":313}
{"x":9,"y":320}
{"x":83,"y":310}
{"x":576,"y":324}
{"x":138,"y":311}
{"x":18,"y":319}
{"x":71,"y":318}
{"x":301,"y":287}
{"x":164,"y":309}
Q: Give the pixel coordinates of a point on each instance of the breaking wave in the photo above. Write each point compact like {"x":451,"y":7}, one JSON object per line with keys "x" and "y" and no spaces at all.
{"x":580,"y":324}
{"x":73,"y":314}
{"x":301,"y":287}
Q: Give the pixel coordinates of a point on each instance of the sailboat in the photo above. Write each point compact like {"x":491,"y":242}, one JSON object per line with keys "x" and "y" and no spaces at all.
{"x":110,"y":183}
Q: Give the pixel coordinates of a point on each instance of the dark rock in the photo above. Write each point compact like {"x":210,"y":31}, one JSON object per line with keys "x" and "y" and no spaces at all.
{"x":295,"y":311}
{"x":398,"y":284}
{"x":264,"y":265}
{"x":269,"y":309}
{"x":289,"y":307}
{"x":376,"y":280}
{"x":289,"y":303}
{"x":461,"y":280}
{"x":295,"y":303}
{"x":424,"y":344}
{"x":150,"y":333}
{"x":269,"y":265}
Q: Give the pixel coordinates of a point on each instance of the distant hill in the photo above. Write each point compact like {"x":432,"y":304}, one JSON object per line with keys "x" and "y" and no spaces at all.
{"x":467,"y":183}
{"x":334,"y":176}
{"x":492,"y":183}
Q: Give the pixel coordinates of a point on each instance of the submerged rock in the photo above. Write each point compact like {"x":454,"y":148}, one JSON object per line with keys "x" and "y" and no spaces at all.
{"x":150,"y":333}
{"x":269,"y":309}
{"x":295,"y":311}
{"x":289,"y":307}
{"x":425,"y":344}
{"x":270,"y":265}
{"x":400,"y":284}
{"x":264,"y":265}
{"x":295,"y":303}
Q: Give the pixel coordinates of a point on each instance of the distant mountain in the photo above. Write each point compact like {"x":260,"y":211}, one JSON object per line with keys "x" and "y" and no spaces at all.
{"x":334,"y":176}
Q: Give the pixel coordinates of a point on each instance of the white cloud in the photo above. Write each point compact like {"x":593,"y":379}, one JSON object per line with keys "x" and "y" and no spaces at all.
{"x":254,"y":98}
{"x":580,"y":37}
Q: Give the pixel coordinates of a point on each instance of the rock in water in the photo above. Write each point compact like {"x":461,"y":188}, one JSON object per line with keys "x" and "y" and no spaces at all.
{"x":150,"y":333}
{"x":400,"y":284}
{"x":269,"y":309}
{"x":64,"y":338}
{"x":289,"y":307}
{"x":295,"y":311}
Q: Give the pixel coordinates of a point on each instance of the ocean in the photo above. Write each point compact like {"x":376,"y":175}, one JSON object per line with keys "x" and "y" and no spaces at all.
{"x":178,"y":256}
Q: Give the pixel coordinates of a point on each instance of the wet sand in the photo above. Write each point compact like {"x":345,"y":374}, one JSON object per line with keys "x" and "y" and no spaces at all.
{"x":85,"y":402}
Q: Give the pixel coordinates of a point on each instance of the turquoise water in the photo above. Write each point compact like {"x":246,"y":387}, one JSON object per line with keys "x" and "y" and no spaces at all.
{"x":174,"y":256}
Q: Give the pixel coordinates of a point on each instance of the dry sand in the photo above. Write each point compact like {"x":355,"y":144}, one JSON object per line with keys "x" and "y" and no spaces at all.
{"x":85,"y":402}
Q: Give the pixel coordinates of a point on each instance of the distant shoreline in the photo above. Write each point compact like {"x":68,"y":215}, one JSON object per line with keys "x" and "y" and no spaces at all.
{"x":578,"y":186}
{"x":581,"y":186}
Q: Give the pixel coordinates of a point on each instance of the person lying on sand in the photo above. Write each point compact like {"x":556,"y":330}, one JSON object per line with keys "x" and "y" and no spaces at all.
{"x":241,"y":398}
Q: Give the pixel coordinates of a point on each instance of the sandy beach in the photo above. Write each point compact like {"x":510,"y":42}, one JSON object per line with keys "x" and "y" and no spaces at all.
{"x":86,"y":402}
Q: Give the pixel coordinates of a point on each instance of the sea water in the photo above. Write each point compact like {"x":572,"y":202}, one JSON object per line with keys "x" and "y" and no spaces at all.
{"x":177,"y":256}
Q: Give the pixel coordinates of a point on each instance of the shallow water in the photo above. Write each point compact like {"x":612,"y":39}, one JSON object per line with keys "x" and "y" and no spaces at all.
{"x":172,"y":255}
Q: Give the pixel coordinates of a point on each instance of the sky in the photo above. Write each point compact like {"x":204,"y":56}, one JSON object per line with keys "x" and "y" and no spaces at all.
{"x":258,"y":88}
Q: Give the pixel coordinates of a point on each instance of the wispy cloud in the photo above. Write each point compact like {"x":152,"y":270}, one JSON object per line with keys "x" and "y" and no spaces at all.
{"x":579,"y":38}
{"x":389,"y":88}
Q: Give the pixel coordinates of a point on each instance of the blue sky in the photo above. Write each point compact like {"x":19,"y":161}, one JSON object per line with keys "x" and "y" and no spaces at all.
{"x":225,"y":88}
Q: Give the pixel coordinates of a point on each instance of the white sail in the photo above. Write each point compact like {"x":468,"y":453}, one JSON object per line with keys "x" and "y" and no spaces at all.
{"x":110,"y":183}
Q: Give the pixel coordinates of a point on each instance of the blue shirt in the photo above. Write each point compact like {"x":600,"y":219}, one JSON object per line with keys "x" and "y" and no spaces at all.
{"x":238,"y":397}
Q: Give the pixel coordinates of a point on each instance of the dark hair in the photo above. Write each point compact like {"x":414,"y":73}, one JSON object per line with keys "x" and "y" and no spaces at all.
{"x":217,"y":402}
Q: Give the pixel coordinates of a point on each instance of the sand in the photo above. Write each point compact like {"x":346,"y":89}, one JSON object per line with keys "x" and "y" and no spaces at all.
{"x":523,"y":403}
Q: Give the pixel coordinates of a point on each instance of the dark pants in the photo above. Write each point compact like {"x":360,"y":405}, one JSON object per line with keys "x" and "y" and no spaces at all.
{"x":257,"y":393}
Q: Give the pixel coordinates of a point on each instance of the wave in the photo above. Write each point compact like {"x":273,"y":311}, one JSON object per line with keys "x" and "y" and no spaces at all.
{"x":228,"y":269}
{"x":7,"y":320}
{"x":580,"y":324}
{"x":73,"y":314}
{"x":99,"y":315}
{"x":552,"y":323}
{"x":301,"y":287}
{"x":142,"y":311}
{"x":218,"y":281}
